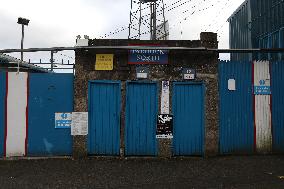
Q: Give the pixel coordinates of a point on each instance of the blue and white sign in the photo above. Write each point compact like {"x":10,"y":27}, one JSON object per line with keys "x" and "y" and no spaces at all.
{"x":63,"y":120}
{"x":263,"y":88}
{"x":148,"y":57}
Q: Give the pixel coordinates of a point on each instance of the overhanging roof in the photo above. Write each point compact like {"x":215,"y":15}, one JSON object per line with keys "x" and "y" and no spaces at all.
{"x":10,"y":63}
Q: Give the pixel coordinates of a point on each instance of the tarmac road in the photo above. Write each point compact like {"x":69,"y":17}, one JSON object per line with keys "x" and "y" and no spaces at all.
{"x":220,"y":172}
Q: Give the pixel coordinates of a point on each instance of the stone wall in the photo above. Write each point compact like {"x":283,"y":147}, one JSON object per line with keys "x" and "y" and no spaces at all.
{"x":205,"y":64}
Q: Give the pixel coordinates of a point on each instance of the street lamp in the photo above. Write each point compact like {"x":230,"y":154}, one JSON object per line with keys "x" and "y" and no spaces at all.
{"x":23,"y":22}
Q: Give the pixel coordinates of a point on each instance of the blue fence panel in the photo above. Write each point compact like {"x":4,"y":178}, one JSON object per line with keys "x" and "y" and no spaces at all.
{"x":188,"y":112}
{"x":141,"y":118}
{"x":236,"y":108}
{"x":104,"y":118}
{"x":48,"y":94}
{"x":2,"y":111}
{"x":277,"y":89}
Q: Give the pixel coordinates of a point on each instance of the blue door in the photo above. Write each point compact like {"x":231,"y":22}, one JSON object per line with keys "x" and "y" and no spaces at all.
{"x":188,"y":112}
{"x":236,"y":108}
{"x":48,"y":94}
{"x":277,"y":90}
{"x":141,"y":119}
{"x":104,"y":118}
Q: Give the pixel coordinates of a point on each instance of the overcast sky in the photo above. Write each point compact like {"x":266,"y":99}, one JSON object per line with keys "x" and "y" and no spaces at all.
{"x":58,"y":22}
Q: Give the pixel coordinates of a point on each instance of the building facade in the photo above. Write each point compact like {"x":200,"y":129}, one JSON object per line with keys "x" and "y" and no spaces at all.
{"x":124,"y":103}
{"x":257,"y":24}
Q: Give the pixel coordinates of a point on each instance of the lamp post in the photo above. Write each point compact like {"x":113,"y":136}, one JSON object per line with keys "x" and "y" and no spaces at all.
{"x":23,"y":22}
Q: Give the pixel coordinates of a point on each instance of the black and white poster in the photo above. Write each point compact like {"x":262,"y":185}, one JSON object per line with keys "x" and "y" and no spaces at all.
{"x":164,"y":126}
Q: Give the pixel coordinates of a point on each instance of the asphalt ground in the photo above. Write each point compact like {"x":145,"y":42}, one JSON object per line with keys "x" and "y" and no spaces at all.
{"x":219,"y":172}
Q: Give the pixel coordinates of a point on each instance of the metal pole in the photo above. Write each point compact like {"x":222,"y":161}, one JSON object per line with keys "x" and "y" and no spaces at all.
{"x":140,"y":20}
{"x":164,"y":20}
{"x":151,"y":21}
{"x":130,"y":21}
{"x":155,"y":21}
{"x":22,"y":42}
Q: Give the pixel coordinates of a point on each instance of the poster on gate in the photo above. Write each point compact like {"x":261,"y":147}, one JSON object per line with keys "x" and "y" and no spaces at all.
{"x":164,"y":126}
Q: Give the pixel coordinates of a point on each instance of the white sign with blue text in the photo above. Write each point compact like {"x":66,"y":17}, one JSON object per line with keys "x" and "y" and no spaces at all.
{"x":263,"y":88}
{"x":79,"y":123}
{"x":63,"y":120}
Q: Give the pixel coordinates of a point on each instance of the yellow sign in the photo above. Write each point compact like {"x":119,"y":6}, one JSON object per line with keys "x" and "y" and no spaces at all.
{"x":104,"y":62}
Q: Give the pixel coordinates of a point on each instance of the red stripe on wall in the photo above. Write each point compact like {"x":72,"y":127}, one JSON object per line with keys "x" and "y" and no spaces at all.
{"x":254,"y":119}
{"x":27,"y":116}
{"x":270,"y":68}
{"x":6,"y":113}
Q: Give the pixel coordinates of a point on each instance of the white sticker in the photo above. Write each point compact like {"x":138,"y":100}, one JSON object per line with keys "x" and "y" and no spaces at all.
{"x":188,"y":76}
{"x":232,"y":84}
{"x":79,"y":124}
{"x":165,"y":97}
{"x":142,"y":75}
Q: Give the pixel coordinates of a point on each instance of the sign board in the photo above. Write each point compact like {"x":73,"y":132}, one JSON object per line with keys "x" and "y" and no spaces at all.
{"x":164,"y":126}
{"x":148,"y":56}
{"x":79,"y":124}
{"x":104,"y":62}
{"x":263,"y":88}
{"x":63,"y":120}
{"x":165,"y":97}
{"x":188,"y":74}
{"x":142,"y":72}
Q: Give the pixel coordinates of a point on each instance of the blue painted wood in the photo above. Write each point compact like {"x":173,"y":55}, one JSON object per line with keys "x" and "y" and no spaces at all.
{"x":2,"y":111}
{"x":236,"y":108}
{"x":104,"y":117}
{"x":188,"y":112}
{"x":277,"y":89}
{"x":141,"y":119}
{"x":49,"y":93}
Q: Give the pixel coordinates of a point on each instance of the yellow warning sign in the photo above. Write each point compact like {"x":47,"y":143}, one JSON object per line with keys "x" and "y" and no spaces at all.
{"x":104,"y":62}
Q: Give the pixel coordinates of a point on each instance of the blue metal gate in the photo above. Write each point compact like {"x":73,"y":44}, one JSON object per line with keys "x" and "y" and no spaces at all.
{"x":188,"y":112}
{"x":2,"y":110}
{"x":277,"y":106}
{"x":48,"y":94}
{"x":141,"y":118}
{"x":104,"y":117}
{"x":236,"y":108}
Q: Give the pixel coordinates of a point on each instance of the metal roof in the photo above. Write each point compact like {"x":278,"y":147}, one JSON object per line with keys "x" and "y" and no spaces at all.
{"x":238,"y":9}
{"x":7,"y":61}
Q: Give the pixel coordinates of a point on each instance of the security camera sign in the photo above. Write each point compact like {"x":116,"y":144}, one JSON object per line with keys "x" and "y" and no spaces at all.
{"x":63,"y":120}
{"x":164,"y":126}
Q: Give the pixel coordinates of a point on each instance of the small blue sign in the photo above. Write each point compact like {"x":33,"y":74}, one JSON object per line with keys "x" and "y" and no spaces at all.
{"x":63,"y":120}
{"x":148,"y":57}
{"x":262,"y":90}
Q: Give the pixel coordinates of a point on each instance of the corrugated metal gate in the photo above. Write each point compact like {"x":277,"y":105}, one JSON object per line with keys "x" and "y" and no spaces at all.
{"x":104,"y":117}
{"x":28,"y":102}
{"x":277,"y":88}
{"x":141,"y":118}
{"x":236,"y":108}
{"x":49,"y":93}
{"x":188,"y":112}
{"x":251,"y":113}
